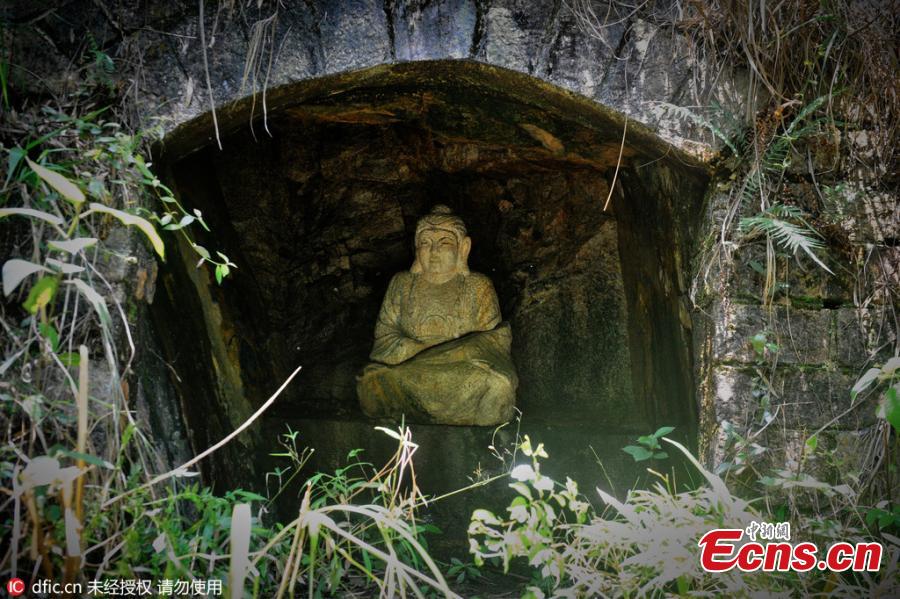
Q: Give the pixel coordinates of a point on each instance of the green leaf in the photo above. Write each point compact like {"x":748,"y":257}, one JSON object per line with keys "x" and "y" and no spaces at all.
{"x":88,"y":459}
{"x":758,"y":341}
{"x":199,"y":216}
{"x":185,"y":221}
{"x":16,"y":270}
{"x":202,"y":251}
{"x":872,"y":515}
{"x":63,"y":186}
{"x":142,"y":167}
{"x":521,"y":489}
{"x":15,"y":157}
{"x":757,"y":267}
{"x":638,"y":453}
{"x":812,"y":443}
{"x":53,"y":513}
{"x":41,"y":293}
{"x":30,"y":212}
{"x":889,"y":409}
{"x":70,"y":358}
{"x":136,"y":221}
{"x":222,"y":271}
{"x":97,"y":190}
{"x":48,"y":332}
{"x":663,"y":431}
{"x":660,"y":455}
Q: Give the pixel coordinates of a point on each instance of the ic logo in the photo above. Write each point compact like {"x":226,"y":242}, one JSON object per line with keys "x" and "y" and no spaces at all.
{"x":15,"y":587}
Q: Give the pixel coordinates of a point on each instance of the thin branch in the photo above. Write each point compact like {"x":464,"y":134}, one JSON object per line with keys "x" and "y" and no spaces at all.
{"x":212,"y":102}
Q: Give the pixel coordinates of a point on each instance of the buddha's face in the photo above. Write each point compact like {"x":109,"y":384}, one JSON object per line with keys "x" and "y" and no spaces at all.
{"x":437,"y":251}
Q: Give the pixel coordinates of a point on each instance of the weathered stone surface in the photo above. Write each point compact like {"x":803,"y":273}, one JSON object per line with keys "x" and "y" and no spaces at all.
{"x":863,"y":336}
{"x":573,"y":56}
{"x":353,"y":35}
{"x":573,"y":340}
{"x":802,"y":336}
{"x":881,"y":278}
{"x":629,"y":63}
{"x":866,"y":215}
{"x":803,"y":398}
{"x":517,"y":33}
{"x":798,"y":281}
{"x":322,"y":237}
{"x":433,"y":30}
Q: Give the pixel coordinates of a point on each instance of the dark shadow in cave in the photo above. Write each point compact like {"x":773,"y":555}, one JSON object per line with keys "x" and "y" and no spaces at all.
{"x":319,"y":215}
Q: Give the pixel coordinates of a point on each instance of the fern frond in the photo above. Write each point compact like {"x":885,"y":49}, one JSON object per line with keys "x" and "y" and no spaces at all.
{"x":699,"y":120}
{"x":774,"y":224}
{"x":807,"y":110}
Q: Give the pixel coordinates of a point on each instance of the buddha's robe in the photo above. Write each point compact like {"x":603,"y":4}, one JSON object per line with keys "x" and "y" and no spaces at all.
{"x":441,"y":354}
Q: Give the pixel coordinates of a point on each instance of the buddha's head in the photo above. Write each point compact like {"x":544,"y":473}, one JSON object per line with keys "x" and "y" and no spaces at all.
{"x":442,"y":245}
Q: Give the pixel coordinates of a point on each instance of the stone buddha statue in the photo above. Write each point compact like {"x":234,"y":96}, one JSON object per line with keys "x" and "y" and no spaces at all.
{"x":441,"y":353}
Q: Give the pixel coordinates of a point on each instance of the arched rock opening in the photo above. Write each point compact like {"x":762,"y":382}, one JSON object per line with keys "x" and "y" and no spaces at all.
{"x":317,"y":205}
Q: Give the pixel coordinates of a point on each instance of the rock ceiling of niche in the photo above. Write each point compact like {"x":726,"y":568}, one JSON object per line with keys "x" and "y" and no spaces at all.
{"x":450,"y":117}
{"x":456,"y":102}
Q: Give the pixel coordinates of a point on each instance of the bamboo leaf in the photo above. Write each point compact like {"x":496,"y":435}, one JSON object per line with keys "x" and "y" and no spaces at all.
{"x":389,"y":432}
{"x":864,"y":381}
{"x":65,"y":267}
{"x":73,"y":246}
{"x":30,"y":212}
{"x":87,"y":458}
{"x":63,"y":186}
{"x":16,"y":270}
{"x":95,"y":299}
{"x":136,"y":221}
